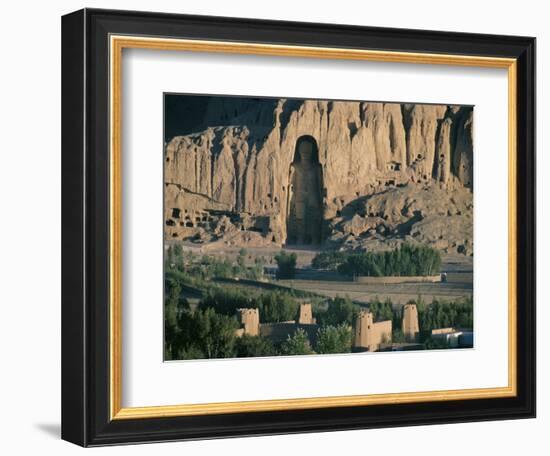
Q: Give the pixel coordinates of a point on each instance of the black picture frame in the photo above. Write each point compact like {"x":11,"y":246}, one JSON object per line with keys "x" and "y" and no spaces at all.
{"x":85,"y":228}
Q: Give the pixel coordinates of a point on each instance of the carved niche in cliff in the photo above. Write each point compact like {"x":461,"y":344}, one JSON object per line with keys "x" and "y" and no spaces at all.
{"x":305,"y":206}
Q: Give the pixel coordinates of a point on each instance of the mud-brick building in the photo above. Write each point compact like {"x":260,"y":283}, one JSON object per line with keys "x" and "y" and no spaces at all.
{"x":368,"y":335}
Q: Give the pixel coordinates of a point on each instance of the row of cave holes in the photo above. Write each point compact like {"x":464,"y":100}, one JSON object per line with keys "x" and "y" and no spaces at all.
{"x":188,"y":222}
{"x":201,"y":222}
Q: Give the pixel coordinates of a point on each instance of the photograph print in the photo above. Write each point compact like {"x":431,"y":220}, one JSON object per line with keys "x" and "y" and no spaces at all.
{"x":314,"y":227}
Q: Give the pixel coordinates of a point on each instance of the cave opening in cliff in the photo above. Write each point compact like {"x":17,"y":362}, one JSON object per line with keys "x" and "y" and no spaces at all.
{"x":305,"y":203}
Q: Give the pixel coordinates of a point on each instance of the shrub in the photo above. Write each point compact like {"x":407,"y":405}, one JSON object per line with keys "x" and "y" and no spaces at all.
{"x":328,"y":260}
{"x":334,"y":339}
{"x":297,"y":344}
{"x":248,"y":346}
{"x":435,"y":344}
{"x":190,"y":352}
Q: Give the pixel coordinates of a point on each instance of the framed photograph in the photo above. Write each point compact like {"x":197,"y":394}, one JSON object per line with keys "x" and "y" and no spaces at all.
{"x":279,"y":227}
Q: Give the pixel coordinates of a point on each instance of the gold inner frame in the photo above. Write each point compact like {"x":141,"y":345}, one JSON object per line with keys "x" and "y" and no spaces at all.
{"x":117,"y":44}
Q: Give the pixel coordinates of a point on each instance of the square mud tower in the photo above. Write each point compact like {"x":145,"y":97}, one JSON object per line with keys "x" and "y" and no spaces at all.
{"x":410,"y":322}
{"x":306,"y":315}
{"x":369,"y":335}
{"x":250,"y":321}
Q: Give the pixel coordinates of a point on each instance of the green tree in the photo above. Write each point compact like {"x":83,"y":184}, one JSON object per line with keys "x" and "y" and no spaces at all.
{"x":169,"y":257}
{"x":406,"y":260}
{"x":381,"y":310}
{"x":178,"y":250}
{"x":172,"y":299}
{"x":257,"y":271}
{"x":286,"y":263}
{"x":248,"y":346}
{"x":274,"y":306}
{"x":340,"y":310}
{"x":328,"y":260}
{"x":397,"y":335}
{"x":190,"y":352}
{"x":297,"y":344}
{"x":226,"y":300}
{"x":209,"y":332}
{"x":334,"y":339}
{"x":277,"y":306}
{"x":440,"y":314}
{"x":173,"y":258}
{"x":241,"y":258}
{"x":174,"y":305}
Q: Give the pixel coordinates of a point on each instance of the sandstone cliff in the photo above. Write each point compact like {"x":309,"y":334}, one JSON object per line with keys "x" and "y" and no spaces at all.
{"x":239,"y":163}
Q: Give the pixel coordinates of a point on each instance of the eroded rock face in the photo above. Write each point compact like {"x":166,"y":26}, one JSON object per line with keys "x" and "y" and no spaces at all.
{"x":240,"y":165}
{"x":427,"y":214}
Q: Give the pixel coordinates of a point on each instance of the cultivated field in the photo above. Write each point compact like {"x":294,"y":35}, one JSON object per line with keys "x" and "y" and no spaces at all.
{"x":459,"y":283}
